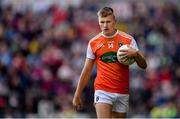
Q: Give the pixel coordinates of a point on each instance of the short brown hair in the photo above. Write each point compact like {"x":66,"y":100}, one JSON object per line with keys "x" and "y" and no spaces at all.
{"x":105,"y":11}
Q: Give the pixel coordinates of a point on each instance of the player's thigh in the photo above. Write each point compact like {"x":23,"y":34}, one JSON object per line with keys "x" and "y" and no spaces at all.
{"x":118,"y":114}
{"x":103,"y":110}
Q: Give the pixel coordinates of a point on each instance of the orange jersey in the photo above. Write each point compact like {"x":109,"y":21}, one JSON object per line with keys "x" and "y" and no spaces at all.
{"x":112,"y":76}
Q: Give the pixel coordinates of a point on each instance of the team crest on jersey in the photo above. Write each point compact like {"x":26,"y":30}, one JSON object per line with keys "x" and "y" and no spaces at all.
{"x":120,"y":44}
{"x":110,"y":44}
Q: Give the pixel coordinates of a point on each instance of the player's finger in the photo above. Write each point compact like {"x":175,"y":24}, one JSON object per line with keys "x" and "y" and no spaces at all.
{"x":123,"y":50}
{"x":77,"y":107}
{"x":124,"y":57}
{"x":124,"y":60}
{"x":122,"y":54}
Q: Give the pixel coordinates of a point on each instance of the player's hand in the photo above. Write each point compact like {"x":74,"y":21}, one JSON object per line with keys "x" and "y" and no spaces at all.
{"x":129,"y":53}
{"x":77,"y":103}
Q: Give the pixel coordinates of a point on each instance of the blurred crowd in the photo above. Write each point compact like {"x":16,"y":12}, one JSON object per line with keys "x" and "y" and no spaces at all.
{"x":42,"y":53}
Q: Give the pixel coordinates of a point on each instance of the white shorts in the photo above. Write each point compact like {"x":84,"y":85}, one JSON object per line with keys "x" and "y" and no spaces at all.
{"x":119,"y":102}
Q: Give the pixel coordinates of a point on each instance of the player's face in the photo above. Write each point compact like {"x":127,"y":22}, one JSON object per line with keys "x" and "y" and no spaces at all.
{"x":107,"y":25}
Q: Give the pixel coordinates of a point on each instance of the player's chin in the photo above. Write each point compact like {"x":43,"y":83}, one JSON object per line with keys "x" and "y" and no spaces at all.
{"x":106,"y":32}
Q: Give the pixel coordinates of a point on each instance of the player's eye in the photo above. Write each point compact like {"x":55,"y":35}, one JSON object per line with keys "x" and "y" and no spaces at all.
{"x":108,"y":21}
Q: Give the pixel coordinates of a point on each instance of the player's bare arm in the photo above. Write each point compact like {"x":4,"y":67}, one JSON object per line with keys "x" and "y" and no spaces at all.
{"x":140,"y":60}
{"x":132,"y":53}
{"x":84,"y":78}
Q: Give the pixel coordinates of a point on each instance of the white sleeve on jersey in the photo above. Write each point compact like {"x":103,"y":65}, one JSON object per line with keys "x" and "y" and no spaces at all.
{"x":134,"y":44}
{"x":89,"y":53}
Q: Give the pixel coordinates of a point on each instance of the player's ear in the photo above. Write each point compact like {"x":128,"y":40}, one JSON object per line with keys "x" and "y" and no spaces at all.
{"x":114,"y":18}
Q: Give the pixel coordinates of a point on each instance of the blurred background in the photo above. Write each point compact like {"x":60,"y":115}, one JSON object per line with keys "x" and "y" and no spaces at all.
{"x":43,"y":47}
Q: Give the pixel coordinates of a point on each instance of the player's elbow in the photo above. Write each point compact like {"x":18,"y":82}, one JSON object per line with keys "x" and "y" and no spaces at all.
{"x":144,"y":65}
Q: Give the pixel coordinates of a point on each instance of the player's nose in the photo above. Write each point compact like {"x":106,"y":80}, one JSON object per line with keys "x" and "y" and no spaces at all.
{"x":105,"y":25}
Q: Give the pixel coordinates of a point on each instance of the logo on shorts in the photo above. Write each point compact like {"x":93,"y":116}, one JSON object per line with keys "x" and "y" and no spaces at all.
{"x":97,"y":98}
